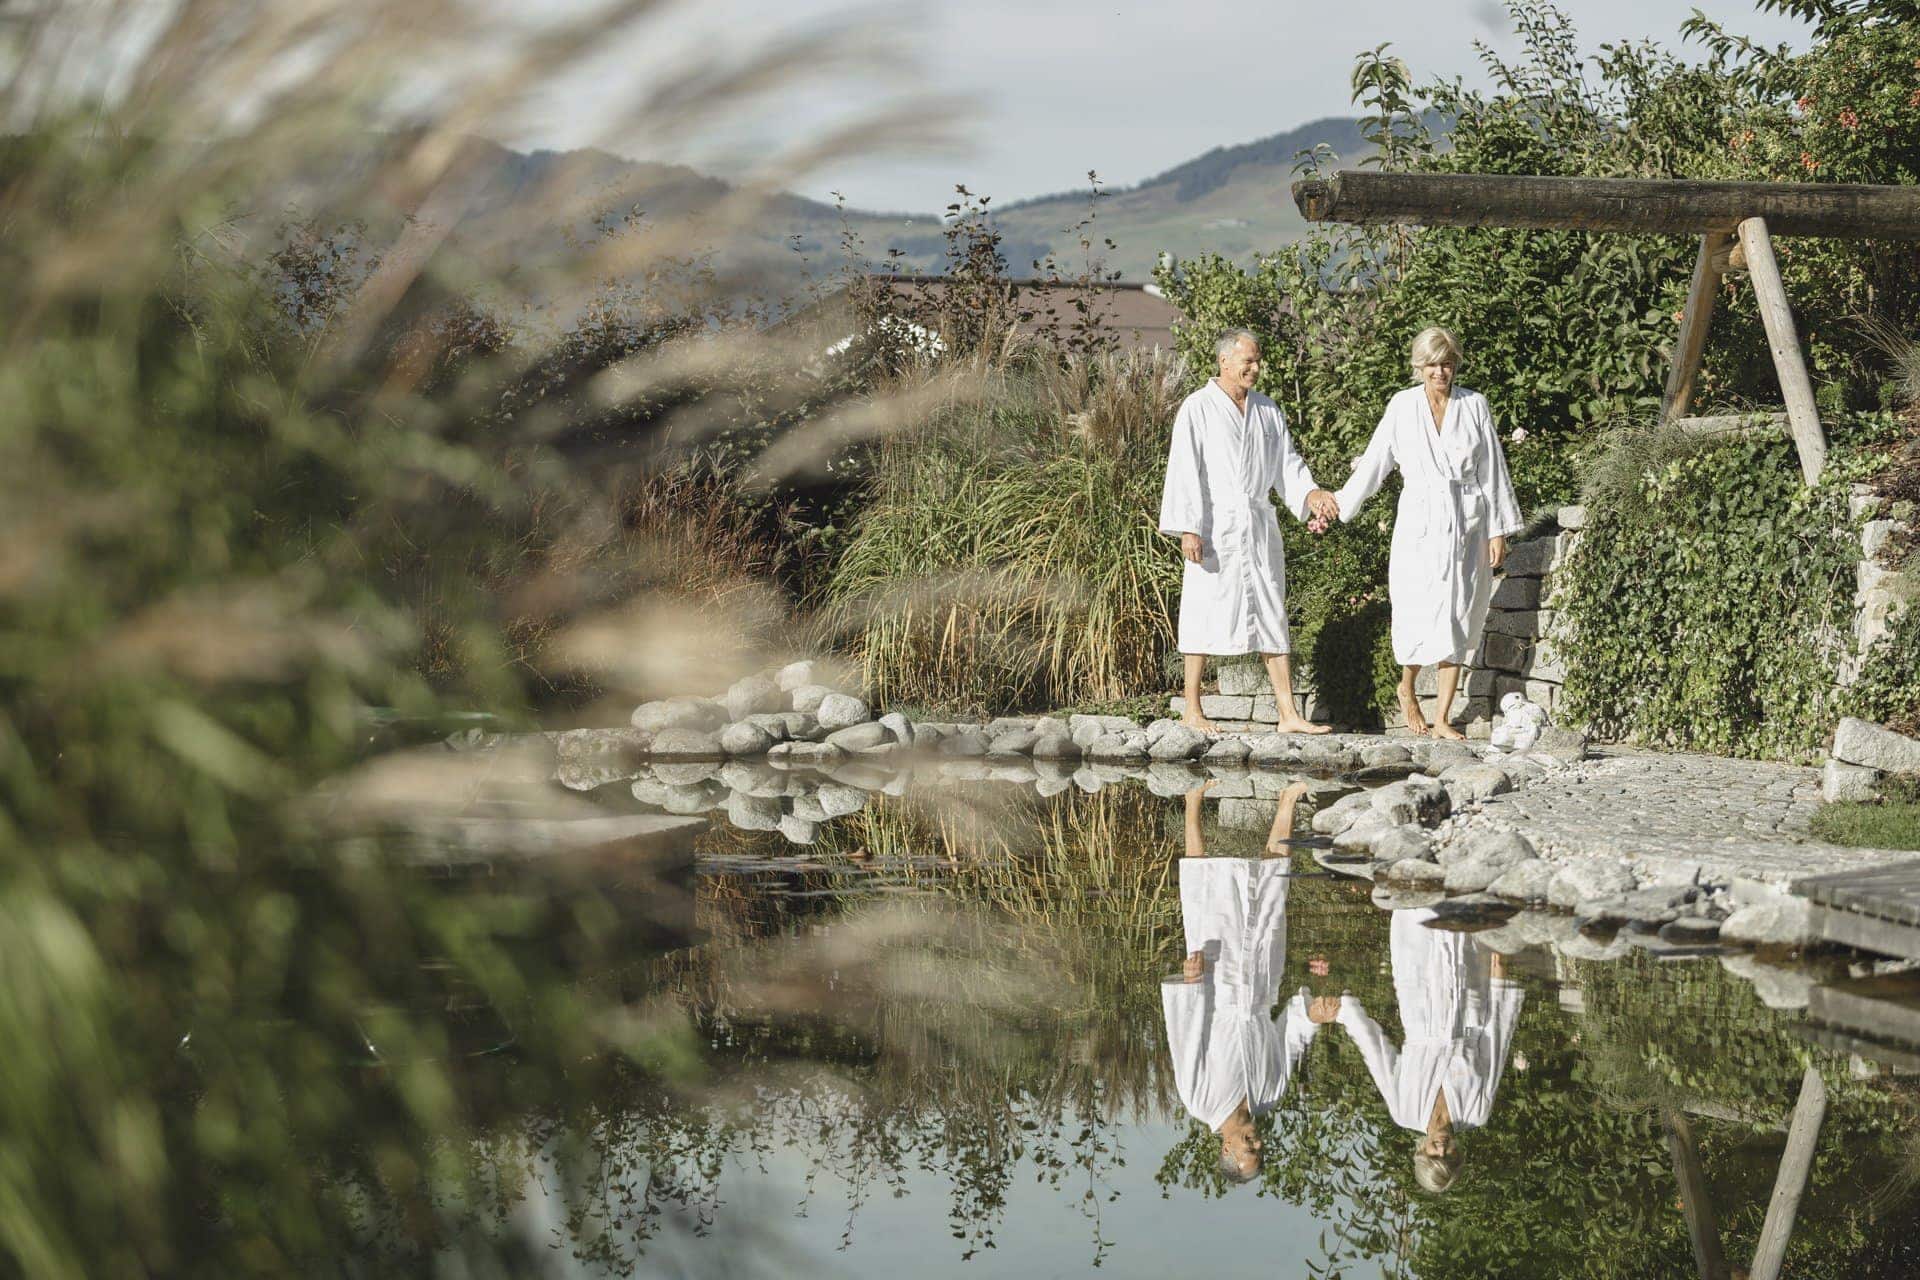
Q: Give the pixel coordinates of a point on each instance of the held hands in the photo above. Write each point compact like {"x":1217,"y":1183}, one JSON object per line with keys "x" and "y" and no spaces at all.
{"x":1496,"y":551}
{"x":1323,"y":509}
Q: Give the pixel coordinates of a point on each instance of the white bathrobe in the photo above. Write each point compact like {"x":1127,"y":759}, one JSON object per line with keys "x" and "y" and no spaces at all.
{"x":1220,"y":469}
{"x":1226,"y":1048}
{"x":1456,"y":494}
{"x":1458,"y":1021}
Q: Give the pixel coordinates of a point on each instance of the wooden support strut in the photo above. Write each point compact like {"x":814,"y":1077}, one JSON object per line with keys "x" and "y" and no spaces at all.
{"x":1703,"y":1224}
{"x":1791,"y":1181}
{"x":1715,"y":249}
{"x":1788,"y":362}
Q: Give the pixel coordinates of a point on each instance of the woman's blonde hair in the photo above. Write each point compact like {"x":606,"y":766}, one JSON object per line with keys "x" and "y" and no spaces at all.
{"x":1434,"y":345}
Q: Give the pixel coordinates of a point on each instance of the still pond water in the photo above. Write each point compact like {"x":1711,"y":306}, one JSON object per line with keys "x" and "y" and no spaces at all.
{"x":1035,"y":1026}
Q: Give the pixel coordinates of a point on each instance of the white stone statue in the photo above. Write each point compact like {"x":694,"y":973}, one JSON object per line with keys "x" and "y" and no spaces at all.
{"x":1520,"y":723}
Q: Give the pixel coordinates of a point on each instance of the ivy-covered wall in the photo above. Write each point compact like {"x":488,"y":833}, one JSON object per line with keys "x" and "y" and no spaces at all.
{"x":1711,"y":599}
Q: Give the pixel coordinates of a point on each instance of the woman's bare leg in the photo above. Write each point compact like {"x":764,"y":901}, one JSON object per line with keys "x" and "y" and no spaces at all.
{"x":1443,"y":701}
{"x":1280,"y":675}
{"x":1195,"y":846}
{"x":1410,"y":701}
{"x":1193,"y":666}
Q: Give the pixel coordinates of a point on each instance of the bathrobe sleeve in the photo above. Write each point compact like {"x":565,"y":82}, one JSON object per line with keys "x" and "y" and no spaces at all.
{"x":1505,"y":519}
{"x":1375,"y":465}
{"x":1183,"y":499}
{"x":1295,"y":481}
{"x":1376,"y":1050}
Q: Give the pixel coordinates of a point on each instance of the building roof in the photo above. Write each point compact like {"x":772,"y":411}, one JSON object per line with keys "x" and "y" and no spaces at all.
{"x":1137,"y":315}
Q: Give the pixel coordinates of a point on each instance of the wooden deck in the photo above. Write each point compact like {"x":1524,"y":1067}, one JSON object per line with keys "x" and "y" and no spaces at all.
{"x":1875,"y":910}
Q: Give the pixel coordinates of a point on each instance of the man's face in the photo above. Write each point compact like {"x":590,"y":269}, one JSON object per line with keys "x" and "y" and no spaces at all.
{"x":1439,"y":1145}
{"x":1240,"y":366}
{"x":1241,"y":1146}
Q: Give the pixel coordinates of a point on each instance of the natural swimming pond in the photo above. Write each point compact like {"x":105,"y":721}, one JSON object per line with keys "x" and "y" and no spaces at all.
{"x":986,"y":1018}
{"x":1013,"y":1019}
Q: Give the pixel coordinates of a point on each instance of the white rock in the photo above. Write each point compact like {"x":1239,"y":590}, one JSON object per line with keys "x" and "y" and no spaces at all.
{"x":752,"y":695}
{"x":745,"y":739}
{"x":1413,"y":871}
{"x":839,"y":710}
{"x":1086,"y":730}
{"x":1861,"y":742}
{"x":899,"y":727}
{"x":1401,"y":843}
{"x":1178,"y":743}
{"x":1342,"y":813}
{"x":794,"y":675}
{"x":1576,"y":882}
{"x":1228,"y":751}
{"x":808,"y":697}
{"x":1841,"y":782}
{"x":1475,"y":782}
{"x":1783,"y":922}
{"x":1524,"y":881}
{"x":753,"y":813}
{"x":679,"y":713}
{"x":797,"y":830}
{"x":686,"y":744}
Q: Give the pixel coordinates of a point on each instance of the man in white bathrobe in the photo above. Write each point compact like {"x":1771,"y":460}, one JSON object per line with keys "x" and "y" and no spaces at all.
{"x":1231,"y":1059}
{"x":1458,"y":1011}
{"x":1230,"y":449}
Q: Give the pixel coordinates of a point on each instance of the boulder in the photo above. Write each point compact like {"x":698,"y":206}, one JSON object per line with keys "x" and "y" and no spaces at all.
{"x":699,"y":714}
{"x":1650,"y":907}
{"x":1400,"y":843}
{"x":815,"y":754}
{"x":685,"y":773}
{"x":1842,"y":783}
{"x":693,"y":797}
{"x":1691,"y":931}
{"x":753,"y":813}
{"x":1497,"y":847}
{"x":1560,"y":744}
{"x":840,"y":710}
{"x":1474,"y":875}
{"x":1055,"y":746}
{"x":1088,"y":780}
{"x":1009,"y":724}
{"x":838,"y":799}
{"x":1442,"y":753}
{"x":1578,"y":882}
{"x":1405,"y":897}
{"x":1014,"y":742}
{"x":745,"y":738}
{"x":899,"y":728}
{"x":1368,"y":826}
{"x":586,"y":773}
{"x":1474,"y":783}
{"x":755,"y":778}
{"x":1119,"y":746}
{"x":1779,"y":921}
{"x":1524,"y":881}
{"x":751,"y":695}
{"x":777,"y":723}
{"x":1860,"y":742}
{"x":1228,"y":751}
{"x":1471,"y":912}
{"x":966,"y":743}
{"x":795,"y":675}
{"x":1178,"y":743}
{"x":1777,"y":987}
{"x":1413,"y":871}
{"x":1342,"y":813}
{"x":1380,"y":754}
{"x":648,"y":789}
{"x":1412,"y":800}
{"x":583,"y":743}
{"x":1170,"y":779}
{"x":808,"y":697}
{"x":859,"y":737}
{"x":687,"y":744}
{"x":1086,"y":730}
{"x":1272,"y":749}
{"x":797,"y":829}
{"x":808,"y":809}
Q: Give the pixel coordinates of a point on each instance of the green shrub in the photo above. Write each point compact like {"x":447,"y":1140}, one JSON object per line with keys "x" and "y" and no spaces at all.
{"x":1709,"y":601}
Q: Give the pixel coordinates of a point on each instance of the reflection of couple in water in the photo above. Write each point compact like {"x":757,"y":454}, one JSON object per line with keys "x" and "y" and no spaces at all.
{"x":1232,"y":1058}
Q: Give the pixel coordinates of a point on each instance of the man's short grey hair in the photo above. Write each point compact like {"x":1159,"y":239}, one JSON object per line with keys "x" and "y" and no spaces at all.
{"x":1223,"y":345}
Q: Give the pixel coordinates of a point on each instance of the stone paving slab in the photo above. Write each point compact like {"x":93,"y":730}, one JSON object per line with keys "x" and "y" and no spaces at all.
{"x":1679,"y":816}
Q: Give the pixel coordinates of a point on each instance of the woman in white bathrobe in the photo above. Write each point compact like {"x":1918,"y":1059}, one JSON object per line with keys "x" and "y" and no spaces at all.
{"x":1457,"y":1010}
{"x":1231,"y":1059}
{"x":1456,"y":512}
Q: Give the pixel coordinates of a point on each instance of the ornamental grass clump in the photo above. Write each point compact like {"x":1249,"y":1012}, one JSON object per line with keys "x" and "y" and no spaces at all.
{"x":1007,"y":557}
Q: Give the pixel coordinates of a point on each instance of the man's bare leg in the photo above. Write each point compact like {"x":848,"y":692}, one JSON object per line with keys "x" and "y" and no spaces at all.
{"x":1194,"y":666}
{"x":1443,"y":701}
{"x":1195,"y":846}
{"x":1280,"y":674}
{"x":1410,"y":701}
{"x":1282,"y":830}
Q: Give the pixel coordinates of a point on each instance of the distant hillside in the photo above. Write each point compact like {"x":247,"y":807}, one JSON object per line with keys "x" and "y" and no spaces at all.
{"x":1233,"y":200}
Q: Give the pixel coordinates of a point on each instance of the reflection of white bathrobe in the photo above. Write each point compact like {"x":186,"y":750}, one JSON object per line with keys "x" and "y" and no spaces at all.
{"x":1456,"y":495}
{"x":1458,"y":1021}
{"x":1220,"y":468}
{"x":1226,"y":1048}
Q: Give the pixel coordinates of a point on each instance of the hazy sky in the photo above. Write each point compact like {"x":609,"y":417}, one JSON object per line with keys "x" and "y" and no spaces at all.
{"x":1047,"y":89}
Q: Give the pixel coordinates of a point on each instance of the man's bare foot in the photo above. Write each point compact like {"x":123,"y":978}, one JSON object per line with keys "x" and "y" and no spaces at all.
{"x":1194,"y":720}
{"x":1410,"y":708}
{"x":1442,"y":729}
{"x":1298,"y":724}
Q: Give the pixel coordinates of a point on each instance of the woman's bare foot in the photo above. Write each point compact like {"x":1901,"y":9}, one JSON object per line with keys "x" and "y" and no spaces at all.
{"x":1194,"y":720}
{"x":1410,"y":708}
{"x":1299,"y":724}
{"x":1441,"y":729}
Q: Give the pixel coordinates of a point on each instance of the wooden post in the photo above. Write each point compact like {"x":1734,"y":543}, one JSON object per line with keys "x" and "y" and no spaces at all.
{"x":1703,"y":1224}
{"x":1795,"y":1164}
{"x":1775,"y":312}
{"x":1687,"y":348}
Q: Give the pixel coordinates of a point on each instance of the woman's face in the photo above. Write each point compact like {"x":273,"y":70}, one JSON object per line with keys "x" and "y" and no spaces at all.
{"x":1438,"y":378}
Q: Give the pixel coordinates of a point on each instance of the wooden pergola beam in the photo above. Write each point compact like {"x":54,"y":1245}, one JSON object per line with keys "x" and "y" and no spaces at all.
{"x":1646,"y":205}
